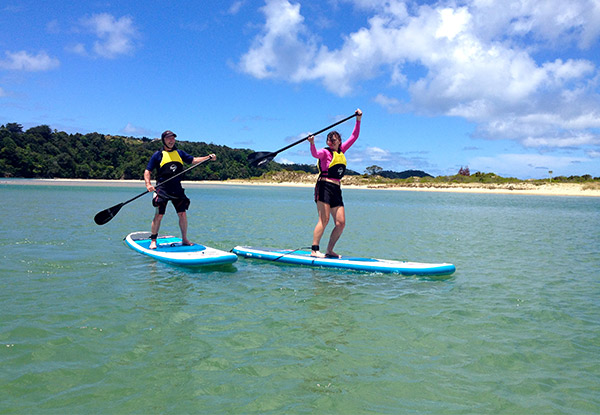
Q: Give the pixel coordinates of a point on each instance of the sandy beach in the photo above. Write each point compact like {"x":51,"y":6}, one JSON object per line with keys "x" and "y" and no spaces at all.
{"x":549,"y":189}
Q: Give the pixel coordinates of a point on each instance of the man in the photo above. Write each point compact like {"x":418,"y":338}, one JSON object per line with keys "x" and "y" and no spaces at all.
{"x":169,"y":162}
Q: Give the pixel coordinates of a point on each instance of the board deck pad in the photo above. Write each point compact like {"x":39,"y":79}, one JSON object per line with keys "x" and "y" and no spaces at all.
{"x":303,"y":257}
{"x":171,"y":249}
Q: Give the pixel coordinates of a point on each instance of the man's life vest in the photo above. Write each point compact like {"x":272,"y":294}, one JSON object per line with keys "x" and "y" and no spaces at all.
{"x":170,"y":165}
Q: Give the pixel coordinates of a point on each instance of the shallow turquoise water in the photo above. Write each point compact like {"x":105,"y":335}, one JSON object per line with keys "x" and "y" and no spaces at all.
{"x":89,"y":326}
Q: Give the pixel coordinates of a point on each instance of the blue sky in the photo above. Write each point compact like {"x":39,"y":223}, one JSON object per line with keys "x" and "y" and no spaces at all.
{"x":506,"y":86}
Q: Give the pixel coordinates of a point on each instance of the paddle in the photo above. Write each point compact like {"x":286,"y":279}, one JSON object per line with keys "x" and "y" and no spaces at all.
{"x":107,"y":214}
{"x":262,"y":157}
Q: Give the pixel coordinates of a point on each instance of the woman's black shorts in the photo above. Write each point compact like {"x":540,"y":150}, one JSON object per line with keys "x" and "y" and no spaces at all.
{"x":329,"y":193}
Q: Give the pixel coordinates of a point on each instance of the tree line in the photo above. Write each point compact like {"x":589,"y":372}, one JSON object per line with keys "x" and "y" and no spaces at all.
{"x":41,"y":152}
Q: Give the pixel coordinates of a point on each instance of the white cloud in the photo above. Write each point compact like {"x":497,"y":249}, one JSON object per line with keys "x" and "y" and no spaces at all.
{"x":569,"y":140}
{"x":78,"y":49}
{"x":479,"y":61}
{"x":279,"y":52}
{"x":524,"y":165}
{"x":284,"y":160}
{"x":53,"y":26}
{"x":137,"y":131}
{"x":377,"y":154}
{"x":393,"y":105}
{"x":235,"y":7}
{"x":549,"y":20}
{"x":115,"y":36}
{"x":388,"y":160}
{"x":24,"y":61}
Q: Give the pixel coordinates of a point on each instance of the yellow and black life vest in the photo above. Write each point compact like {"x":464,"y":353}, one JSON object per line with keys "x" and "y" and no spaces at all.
{"x":337,"y":166}
{"x":170,"y":164}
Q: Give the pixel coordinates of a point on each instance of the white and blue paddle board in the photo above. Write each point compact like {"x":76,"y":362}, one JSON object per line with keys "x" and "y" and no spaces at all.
{"x":300,"y":257}
{"x":170,"y":249}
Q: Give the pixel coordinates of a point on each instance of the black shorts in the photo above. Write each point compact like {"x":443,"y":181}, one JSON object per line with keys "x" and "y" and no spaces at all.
{"x":329,"y":193}
{"x":179,"y":201}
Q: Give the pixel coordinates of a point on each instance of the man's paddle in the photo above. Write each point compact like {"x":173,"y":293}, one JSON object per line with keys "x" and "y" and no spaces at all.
{"x":107,"y":214}
{"x":262,"y":157}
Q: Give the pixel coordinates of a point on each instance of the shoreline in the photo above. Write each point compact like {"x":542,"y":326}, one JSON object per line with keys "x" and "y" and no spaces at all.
{"x":550,"y":189}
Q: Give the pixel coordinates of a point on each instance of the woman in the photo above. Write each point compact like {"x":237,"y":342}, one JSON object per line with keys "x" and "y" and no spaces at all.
{"x":328,"y":193}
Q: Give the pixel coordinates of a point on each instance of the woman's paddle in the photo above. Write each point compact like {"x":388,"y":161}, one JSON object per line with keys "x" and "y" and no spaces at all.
{"x":262,"y":157}
{"x":107,"y":214}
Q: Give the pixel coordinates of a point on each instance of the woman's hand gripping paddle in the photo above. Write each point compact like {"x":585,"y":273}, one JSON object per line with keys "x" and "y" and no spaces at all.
{"x":262,"y":157}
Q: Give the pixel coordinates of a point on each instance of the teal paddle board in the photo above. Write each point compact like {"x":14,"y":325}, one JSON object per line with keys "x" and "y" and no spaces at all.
{"x":170,"y":249}
{"x":300,"y":257}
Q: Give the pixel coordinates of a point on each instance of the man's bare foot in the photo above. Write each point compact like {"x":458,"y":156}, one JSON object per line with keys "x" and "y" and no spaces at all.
{"x":153,"y":244}
{"x":317,"y":254}
{"x":332,"y":255}
{"x":186,"y":242}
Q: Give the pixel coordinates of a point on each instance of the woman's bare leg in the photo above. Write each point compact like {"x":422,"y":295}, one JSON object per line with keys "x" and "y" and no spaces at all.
{"x":339,"y":216}
{"x":324,"y":210}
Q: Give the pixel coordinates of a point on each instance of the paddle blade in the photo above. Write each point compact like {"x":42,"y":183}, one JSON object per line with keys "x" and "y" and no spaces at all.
{"x":260,"y":158}
{"x":106,"y":215}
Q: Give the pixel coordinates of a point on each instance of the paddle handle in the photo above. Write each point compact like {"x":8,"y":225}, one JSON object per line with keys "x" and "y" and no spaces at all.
{"x":317,"y":133}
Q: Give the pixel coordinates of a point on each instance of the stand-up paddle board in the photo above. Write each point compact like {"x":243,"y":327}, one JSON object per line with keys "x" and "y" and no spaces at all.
{"x":300,"y":257}
{"x":170,"y":249}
